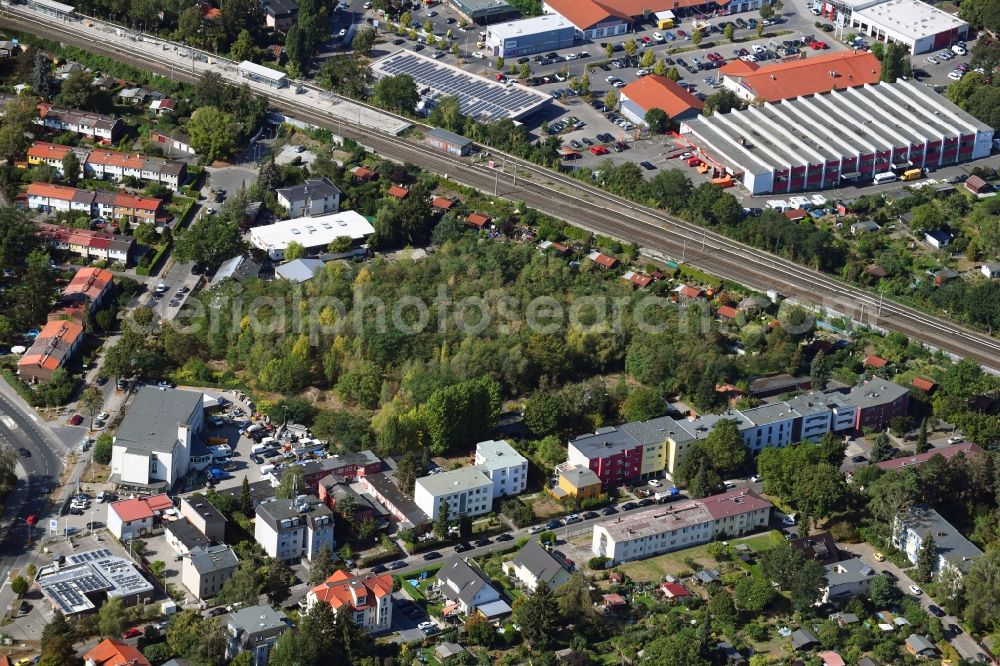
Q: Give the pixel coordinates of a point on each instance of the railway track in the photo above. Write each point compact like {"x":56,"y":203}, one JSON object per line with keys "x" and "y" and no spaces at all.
{"x":595,"y":210}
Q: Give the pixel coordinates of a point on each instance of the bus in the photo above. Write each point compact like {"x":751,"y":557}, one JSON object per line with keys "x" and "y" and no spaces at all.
{"x":887,"y":177}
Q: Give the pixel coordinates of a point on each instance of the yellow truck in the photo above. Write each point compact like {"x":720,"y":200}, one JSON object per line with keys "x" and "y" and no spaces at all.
{"x":912,"y":174}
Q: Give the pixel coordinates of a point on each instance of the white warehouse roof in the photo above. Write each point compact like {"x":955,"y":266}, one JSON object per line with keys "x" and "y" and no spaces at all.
{"x":911,"y":19}
{"x":311,"y":231}
{"x":529,"y":26}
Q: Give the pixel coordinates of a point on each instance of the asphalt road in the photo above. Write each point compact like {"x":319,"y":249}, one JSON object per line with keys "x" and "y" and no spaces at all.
{"x":19,"y":428}
{"x":658,"y":234}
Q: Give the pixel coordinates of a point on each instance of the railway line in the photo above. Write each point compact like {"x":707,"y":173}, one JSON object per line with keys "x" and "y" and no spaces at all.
{"x":593,"y":209}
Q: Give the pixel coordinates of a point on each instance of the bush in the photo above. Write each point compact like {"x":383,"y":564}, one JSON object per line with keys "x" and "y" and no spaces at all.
{"x":102,"y":449}
{"x":599,"y":562}
{"x":517,"y":511}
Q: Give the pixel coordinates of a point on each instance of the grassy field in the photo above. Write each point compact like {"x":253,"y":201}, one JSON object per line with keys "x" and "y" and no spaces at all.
{"x":673,"y":564}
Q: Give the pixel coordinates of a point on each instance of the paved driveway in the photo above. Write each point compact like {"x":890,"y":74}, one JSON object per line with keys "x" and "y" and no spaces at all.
{"x":967,"y":647}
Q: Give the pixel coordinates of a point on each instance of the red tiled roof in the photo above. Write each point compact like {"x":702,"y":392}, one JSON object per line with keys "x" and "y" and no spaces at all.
{"x":727,"y":311}
{"x":398,"y":191}
{"x":660,"y":92}
{"x":734,"y":503}
{"x":212,"y":13}
{"x":605,"y":260}
{"x":638,"y":279}
{"x":113,"y":653}
{"x":925,"y":385}
{"x":831,"y":659}
{"x":47,"y":151}
{"x":91,"y":282}
{"x":674,"y":590}
{"x":111,"y":158}
{"x":140,"y":508}
{"x":876,"y":362}
{"x":614,"y":599}
{"x":809,"y":76}
{"x":968,"y":449}
{"x":442,"y":203}
{"x":690,"y":292}
{"x":739,"y":67}
{"x":46,"y":190}
{"x":364,"y":173}
{"x":478,"y":220}
{"x":124,"y":200}
{"x":796,"y":214}
{"x":586,"y":13}
{"x":336,"y":590}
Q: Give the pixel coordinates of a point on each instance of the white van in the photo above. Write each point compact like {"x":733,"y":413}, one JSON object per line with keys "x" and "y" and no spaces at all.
{"x":265,"y":470}
{"x":886,"y":177}
{"x":269,"y":441}
{"x":256,"y":427}
{"x":258,"y":448}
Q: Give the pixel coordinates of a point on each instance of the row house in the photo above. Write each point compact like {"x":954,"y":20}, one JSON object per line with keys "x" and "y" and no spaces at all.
{"x":94,"y":126}
{"x":128,"y":207}
{"x":106,"y":205}
{"x":87,"y":243}
{"x":89,"y":286}
{"x":109,"y":165}
{"x":50,"y":198}
{"x":58,"y":341}
{"x":52,"y":154}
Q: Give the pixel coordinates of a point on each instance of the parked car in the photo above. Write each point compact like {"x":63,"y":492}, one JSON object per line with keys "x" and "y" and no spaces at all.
{"x":504,"y":537}
{"x":879,"y":557}
{"x":935,"y":611}
{"x":76,"y":420}
{"x":135,"y":632}
{"x":915,"y":591}
{"x":379,"y":568}
{"x":590,"y":515}
{"x":398,"y":564}
{"x":433,"y":555}
{"x":609,"y":511}
{"x":462,"y":547}
{"x":628,"y":506}
{"x":553,"y":524}
{"x":648,"y":166}
{"x":23,"y":452}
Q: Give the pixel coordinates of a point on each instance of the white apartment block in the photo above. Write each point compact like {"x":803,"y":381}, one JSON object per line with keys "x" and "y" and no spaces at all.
{"x":467,"y":491}
{"x":679,"y":525}
{"x":507,"y":468}
{"x":292,"y":529}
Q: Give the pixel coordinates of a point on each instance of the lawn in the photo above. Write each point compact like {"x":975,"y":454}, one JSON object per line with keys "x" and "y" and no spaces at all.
{"x":673,"y":564}
{"x":544,"y":505}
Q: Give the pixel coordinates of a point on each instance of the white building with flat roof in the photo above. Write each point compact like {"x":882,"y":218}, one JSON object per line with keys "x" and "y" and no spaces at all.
{"x":507,"y":468}
{"x":548,"y":32}
{"x":255,"y":72}
{"x":468,"y":491}
{"x":838,"y":138}
{"x":313,"y":233}
{"x":918,"y":25}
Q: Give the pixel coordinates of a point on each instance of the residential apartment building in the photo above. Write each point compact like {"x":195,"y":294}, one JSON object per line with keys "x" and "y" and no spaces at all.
{"x":879,"y":401}
{"x":94,"y":126}
{"x":55,"y":345}
{"x":346,"y":465}
{"x":114,"y":166}
{"x":159,"y":440}
{"x":86,"y":243}
{"x":846,"y":580}
{"x":207,"y":568}
{"x":967,"y":449}
{"x":292,"y":529}
{"x":317,"y":196}
{"x":402,"y":509}
{"x":204,"y":517}
{"x":106,"y":205}
{"x":507,"y":468}
{"x":612,"y":453}
{"x":113,"y":653}
{"x":254,"y":629}
{"x":137,"y":517}
{"x":576,"y":481}
{"x":467,"y":491}
{"x":368,"y":599}
{"x":680,"y":525}
{"x":88,"y":287}
{"x":954,"y":551}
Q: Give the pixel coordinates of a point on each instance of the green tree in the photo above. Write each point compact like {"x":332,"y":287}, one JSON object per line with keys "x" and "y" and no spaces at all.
{"x":102,"y":449}
{"x":441,"y":522}
{"x":611,"y":99}
{"x":19,"y":115}
{"x":295,"y":250}
{"x":41,"y":77}
{"x":730,"y":32}
{"x":895,"y":62}
{"x":781,"y":564}
{"x":648,"y":59}
{"x":78,"y":91}
{"x":724,"y":611}
{"x":210,"y":241}
{"x":725,"y":447}
{"x":696,"y":37}
{"x":91,"y":402}
{"x":278,"y":582}
{"x":982,"y":589}
{"x":525,"y":71}
{"x":111,"y":618}
{"x":408,"y":471}
{"x":246,"y":500}
{"x":881,"y":448}
{"x":462,"y":413}
{"x":674,"y":649}
{"x":499,"y":62}
{"x":544,"y":413}
{"x":642,"y":404}
{"x":364,"y":40}
{"x":752,"y":594}
{"x":819,"y":372}
{"x":807,"y":586}
{"x":245,"y":585}
{"x":576,"y":600}
{"x":244,"y":47}
{"x":19,"y":586}
{"x":538,"y":616}
{"x":922,"y":446}
{"x":214,"y":133}
{"x":766,"y":11}
{"x":631,"y":47}
{"x":722,"y":102}
{"x":657,"y":119}
{"x":396,"y":93}
{"x":926,"y":558}
{"x":292,"y":483}
{"x":479,"y":631}
{"x":660,"y":68}
{"x":609,"y":51}
{"x":883,"y":592}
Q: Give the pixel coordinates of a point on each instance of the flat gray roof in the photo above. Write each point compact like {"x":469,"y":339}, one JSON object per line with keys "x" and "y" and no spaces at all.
{"x":154,"y":415}
{"x":454,"y":481}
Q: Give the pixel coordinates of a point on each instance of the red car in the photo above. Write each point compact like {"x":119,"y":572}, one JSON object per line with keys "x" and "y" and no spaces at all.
{"x":647,"y":40}
{"x":76,"y":420}
{"x":501,"y":77}
{"x":818,"y":45}
{"x":31,"y":520}
{"x":682,"y":34}
{"x":717,"y":57}
{"x":134,"y":632}
{"x":599,"y":150}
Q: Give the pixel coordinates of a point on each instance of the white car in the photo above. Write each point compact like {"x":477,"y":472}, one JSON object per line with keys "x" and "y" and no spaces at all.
{"x":757,"y":48}
{"x":932,"y":60}
{"x":916,"y":591}
{"x":799,"y":201}
{"x":161,"y":288}
{"x":656,"y":483}
{"x":641,"y":73}
{"x":479,"y":54}
{"x":958,"y":50}
{"x":426,"y":624}
{"x":788,"y":520}
{"x":571,"y":56}
{"x":955,"y":75}
{"x":103,"y":416}
{"x":946,"y":55}
{"x":658,"y":37}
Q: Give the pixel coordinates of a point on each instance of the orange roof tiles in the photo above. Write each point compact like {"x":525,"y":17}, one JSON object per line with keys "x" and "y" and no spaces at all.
{"x":738,"y":66}
{"x":442,"y":203}
{"x":51,"y":191}
{"x":925,"y":385}
{"x":796,"y":214}
{"x":586,"y":13}
{"x":727,"y":311}
{"x":113,"y":653}
{"x":603,"y":260}
{"x":809,"y":76}
{"x":363,"y":173}
{"x":48,"y":151}
{"x":875,"y":362}
{"x":660,"y":92}
{"x":478,"y":220}
{"x":91,"y":282}
{"x":111,"y":158}
{"x":690,"y":292}
{"x":123,"y":200}
{"x":398,"y":191}
{"x":140,"y":508}
{"x":337,"y":589}
{"x":638,"y":279}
